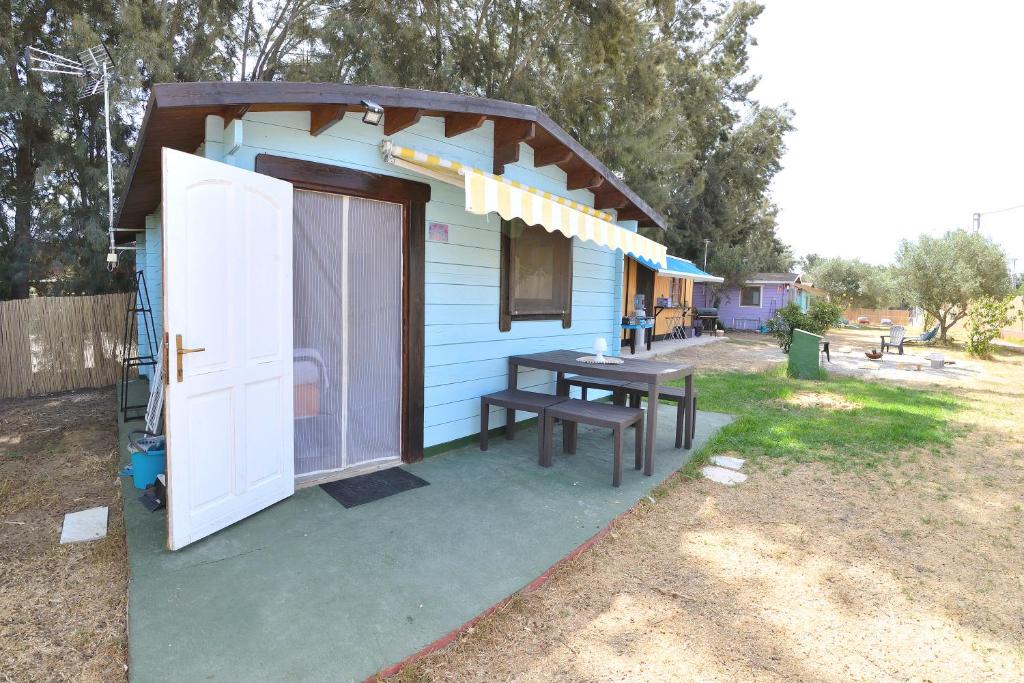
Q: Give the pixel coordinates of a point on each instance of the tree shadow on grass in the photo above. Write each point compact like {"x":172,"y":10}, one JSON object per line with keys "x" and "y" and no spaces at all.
{"x":878,"y":424}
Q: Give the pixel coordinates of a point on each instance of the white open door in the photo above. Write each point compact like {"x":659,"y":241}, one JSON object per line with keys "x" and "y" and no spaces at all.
{"x":228,"y":319}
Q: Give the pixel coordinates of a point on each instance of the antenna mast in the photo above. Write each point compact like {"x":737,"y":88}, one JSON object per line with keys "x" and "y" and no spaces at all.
{"x":95,"y":68}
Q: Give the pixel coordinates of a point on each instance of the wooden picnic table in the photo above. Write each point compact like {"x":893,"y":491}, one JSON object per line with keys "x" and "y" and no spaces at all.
{"x":650,"y":372}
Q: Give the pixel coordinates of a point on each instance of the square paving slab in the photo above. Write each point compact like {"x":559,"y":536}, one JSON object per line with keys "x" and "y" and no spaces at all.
{"x":85,"y":525}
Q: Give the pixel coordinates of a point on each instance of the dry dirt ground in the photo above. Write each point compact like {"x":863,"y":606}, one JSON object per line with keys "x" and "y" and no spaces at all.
{"x":741,"y":352}
{"x":913,"y":573}
{"x":62,"y":608}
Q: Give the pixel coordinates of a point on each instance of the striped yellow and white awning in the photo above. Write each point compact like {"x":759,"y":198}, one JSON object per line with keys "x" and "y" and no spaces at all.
{"x":486,"y":193}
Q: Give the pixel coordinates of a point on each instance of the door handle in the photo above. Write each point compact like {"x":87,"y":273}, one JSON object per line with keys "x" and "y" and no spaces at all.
{"x":181,"y":351}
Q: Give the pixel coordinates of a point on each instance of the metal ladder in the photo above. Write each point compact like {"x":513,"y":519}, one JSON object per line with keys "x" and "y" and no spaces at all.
{"x":134,"y":355}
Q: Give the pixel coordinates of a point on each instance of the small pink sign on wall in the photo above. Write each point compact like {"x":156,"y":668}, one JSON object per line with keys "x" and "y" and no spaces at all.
{"x":437,"y":232}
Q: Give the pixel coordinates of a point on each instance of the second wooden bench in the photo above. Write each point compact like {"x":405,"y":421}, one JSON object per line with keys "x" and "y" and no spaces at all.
{"x":572,"y":411}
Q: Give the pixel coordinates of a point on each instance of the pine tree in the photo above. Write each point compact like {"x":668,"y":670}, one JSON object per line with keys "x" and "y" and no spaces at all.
{"x":658,"y":90}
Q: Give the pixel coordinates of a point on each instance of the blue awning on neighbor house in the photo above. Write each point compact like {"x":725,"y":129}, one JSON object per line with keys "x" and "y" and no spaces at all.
{"x":680,"y":267}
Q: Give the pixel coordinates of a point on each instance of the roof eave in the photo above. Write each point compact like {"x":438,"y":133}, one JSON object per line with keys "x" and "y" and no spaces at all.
{"x":134,"y":163}
{"x":166,"y":96}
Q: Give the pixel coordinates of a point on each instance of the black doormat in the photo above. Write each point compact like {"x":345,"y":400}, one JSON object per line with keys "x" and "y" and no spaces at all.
{"x":373,"y":486}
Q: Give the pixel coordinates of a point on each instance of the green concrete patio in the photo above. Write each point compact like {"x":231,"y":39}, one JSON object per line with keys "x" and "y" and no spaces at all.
{"x":309,"y":590}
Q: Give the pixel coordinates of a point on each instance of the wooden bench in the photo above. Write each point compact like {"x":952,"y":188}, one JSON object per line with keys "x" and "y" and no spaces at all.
{"x":685,"y":419}
{"x":512,"y":400}
{"x":572,"y":411}
{"x":616,"y":386}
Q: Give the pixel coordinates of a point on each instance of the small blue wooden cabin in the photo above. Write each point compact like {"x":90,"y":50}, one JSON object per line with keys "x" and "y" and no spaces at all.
{"x":476,"y":285}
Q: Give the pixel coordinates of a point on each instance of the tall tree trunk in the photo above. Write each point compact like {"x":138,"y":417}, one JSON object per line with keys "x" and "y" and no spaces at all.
{"x":438,"y":46}
{"x":27,"y":132}
{"x":24,"y":185}
{"x":943,"y":326}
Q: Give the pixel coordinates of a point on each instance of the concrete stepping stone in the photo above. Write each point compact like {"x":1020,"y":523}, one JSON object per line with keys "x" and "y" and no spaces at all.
{"x":84,"y":525}
{"x":723,"y":475}
{"x":727,"y":461}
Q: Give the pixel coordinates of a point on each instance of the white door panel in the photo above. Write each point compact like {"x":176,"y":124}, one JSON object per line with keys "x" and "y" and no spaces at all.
{"x":227,"y":289}
{"x":204,"y":250}
{"x":260,"y":250}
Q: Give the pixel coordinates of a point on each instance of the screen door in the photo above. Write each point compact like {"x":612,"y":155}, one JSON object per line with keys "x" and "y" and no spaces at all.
{"x":348,"y":332}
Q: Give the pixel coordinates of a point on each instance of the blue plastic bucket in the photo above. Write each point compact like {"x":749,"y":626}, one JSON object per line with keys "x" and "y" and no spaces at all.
{"x":146,"y":465}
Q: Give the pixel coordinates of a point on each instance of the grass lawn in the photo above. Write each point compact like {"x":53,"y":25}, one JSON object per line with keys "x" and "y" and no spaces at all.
{"x":842,"y":422}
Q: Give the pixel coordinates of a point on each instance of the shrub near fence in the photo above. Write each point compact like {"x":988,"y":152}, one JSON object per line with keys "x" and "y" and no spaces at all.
{"x":898,"y":316}
{"x":1016,"y":330}
{"x":52,"y":344}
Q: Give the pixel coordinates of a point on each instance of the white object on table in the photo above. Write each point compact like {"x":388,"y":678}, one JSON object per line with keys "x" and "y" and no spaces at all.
{"x":606,"y":360}
{"x":600,"y":346}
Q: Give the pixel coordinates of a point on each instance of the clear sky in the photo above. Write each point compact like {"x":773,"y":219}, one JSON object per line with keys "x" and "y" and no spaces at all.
{"x":909,"y":117}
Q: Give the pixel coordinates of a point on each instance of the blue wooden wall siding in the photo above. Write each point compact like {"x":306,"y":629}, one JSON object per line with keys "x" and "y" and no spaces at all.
{"x":154,"y":271}
{"x":149,"y":259}
{"x":465,"y":354}
{"x":140,"y":264}
{"x":803,"y":299}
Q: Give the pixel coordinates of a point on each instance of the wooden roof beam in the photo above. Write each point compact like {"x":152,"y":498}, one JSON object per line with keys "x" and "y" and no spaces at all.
{"x":554,"y":153}
{"x":457,"y":124}
{"x":399,"y":118}
{"x":609,"y":200}
{"x":583,"y":178}
{"x":508,"y":133}
{"x":630,"y":213}
{"x":235,"y":112}
{"x":322,"y":117}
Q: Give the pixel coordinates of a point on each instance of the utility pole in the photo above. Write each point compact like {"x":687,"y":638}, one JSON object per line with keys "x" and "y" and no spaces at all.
{"x":977,"y":222}
{"x":706,"y":243}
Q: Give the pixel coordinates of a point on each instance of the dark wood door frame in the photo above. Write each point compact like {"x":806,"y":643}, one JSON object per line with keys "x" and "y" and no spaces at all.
{"x":413,"y":196}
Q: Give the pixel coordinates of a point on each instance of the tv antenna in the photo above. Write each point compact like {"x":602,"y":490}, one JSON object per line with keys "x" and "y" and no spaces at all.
{"x":94,"y":67}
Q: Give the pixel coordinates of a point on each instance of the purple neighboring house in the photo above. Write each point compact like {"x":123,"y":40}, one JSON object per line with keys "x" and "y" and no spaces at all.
{"x":752,"y":305}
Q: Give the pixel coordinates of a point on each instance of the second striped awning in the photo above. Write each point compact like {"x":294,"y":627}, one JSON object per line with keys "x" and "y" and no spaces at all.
{"x":487,"y":193}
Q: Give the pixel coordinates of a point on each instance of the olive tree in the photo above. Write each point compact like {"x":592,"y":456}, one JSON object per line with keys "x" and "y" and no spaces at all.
{"x":986,"y":317}
{"x":944,"y":274}
{"x":851,"y":282}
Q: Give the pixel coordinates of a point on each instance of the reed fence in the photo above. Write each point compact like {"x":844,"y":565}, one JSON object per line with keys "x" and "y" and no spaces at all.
{"x":898,"y":316}
{"x":52,"y":344}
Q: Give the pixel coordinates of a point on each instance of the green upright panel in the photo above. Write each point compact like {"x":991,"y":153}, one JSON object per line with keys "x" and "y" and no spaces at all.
{"x":804,"y":357}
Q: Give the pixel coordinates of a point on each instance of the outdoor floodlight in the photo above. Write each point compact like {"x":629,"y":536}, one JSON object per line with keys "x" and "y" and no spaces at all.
{"x":372,"y":112}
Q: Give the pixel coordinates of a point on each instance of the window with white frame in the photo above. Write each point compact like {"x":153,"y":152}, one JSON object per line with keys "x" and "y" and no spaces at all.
{"x":750,"y":296}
